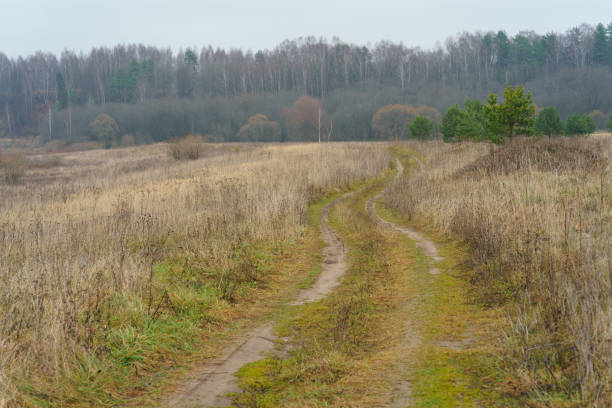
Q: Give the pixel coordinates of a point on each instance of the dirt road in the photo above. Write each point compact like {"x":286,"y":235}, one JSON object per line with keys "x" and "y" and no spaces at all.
{"x":428,"y":247}
{"x":411,"y":338}
{"x":208,"y":387}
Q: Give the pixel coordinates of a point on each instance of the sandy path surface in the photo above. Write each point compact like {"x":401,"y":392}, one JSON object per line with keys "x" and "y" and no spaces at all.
{"x":208,"y":387}
{"x":402,"y":395}
{"x":428,"y":247}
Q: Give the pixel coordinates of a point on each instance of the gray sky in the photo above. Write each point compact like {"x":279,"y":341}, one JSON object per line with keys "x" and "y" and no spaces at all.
{"x":53,"y":25}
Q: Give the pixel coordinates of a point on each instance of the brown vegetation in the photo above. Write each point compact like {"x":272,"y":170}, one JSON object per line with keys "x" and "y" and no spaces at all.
{"x":393,"y":121}
{"x":12,"y":167}
{"x":190,"y":147}
{"x":552,"y":155}
{"x":259,"y":129}
{"x":308,"y":118}
{"x":538,"y":216}
{"x":118,"y":260}
{"x":105,"y":129}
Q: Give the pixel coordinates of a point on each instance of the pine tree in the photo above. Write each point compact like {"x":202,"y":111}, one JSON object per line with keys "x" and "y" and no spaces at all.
{"x":516,"y":115}
{"x":450,"y":123}
{"x":421,"y":128}
{"x":62,"y":93}
{"x":601,"y":51}
{"x":132,"y":80}
{"x":609,"y":37}
{"x":549,"y":122}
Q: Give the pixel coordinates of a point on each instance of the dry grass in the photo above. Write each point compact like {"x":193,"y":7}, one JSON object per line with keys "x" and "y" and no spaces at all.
{"x":538,"y":216}
{"x":190,"y":147}
{"x":88,"y":249}
{"x":12,"y":167}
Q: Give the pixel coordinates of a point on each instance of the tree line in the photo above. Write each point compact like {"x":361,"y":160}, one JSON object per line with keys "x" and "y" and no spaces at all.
{"x":571,"y":70}
{"x":498,"y":121}
{"x":307,"y":120}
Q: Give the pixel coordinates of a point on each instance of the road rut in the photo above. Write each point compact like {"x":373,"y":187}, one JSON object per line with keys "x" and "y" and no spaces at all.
{"x":429,"y":248}
{"x":208,"y":388}
{"x":402,"y":396}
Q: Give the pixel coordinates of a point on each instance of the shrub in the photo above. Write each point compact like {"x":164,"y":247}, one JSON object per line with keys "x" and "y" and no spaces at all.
{"x":579,"y":125}
{"x":259,"y":129}
{"x":191,"y":147}
{"x":105,"y":129}
{"x":548,"y":122}
{"x":599,"y":118}
{"x":393,"y":121}
{"x":464,"y":124}
{"x":421,"y":128}
{"x":12,"y":167}
{"x":128,"y":140}
{"x":45,"y":162}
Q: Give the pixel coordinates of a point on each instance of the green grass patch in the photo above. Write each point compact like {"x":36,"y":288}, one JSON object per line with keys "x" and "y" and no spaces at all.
{"x":343,"y":343}
{"x":389,"y":320}
{"x":192,"y":307}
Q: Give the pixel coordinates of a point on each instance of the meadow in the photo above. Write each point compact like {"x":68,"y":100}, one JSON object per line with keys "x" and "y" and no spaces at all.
{"x":537,"y":217}
{"x":121,"y":267}
{"x":114,"y":263}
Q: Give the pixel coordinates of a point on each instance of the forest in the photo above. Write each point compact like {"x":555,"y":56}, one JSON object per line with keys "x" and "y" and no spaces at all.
{"x":157,"y":94}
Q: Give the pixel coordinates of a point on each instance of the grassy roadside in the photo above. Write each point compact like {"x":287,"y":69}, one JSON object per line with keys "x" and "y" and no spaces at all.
{"x":389,"y":323}
{"x":345,"y":344}
{"x":458,"y":364}
{"x":536,"y":228}
{"x":141,"y":352}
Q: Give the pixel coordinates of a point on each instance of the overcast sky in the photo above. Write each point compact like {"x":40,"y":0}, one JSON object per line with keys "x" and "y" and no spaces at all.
{"x":53,"y":25}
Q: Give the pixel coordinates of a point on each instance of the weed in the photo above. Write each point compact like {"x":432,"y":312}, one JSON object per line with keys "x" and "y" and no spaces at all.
{"x":536,"y":215}
{"x":120,"y":264}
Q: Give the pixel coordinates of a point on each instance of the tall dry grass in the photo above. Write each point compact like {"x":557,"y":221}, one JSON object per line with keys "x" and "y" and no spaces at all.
{"x":79,"y":243}
{"x":538,"y":216}
{"x":12,"y":167}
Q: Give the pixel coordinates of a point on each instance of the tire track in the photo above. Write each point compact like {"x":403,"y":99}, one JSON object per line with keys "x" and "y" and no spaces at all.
{"x":429,"y":248}
{"x":216,"y":379}
{"x":402,"y":396}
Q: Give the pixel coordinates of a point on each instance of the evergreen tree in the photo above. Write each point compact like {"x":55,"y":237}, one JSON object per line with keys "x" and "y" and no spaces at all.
{"x":132,"y":80}
{"x":549,"y":122}
{"x":62,"y":93}
{"x":524,"y":56}
{"x":609,"y":124}
{"x":573,"y":125}
{"x":186,"y":74}
{"x":601,"y":45}
{"x":472,"y":122}
{"x":516,"y":115}
{"x":588,"y":124}
{"x":117,"y":86}
{"x":421,"y":128}
{"x":579,"y":125}
{"x":503,"y":49}
{"x":450,"y":123}
{"x":609,"y":37}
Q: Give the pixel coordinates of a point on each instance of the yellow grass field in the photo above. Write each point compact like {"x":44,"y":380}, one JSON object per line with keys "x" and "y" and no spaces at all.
{"x":122,"y":269}
{"x":120,"y":258}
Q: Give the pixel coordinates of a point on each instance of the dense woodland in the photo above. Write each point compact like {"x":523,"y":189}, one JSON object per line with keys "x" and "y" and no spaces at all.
{"x":155,"y":94}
